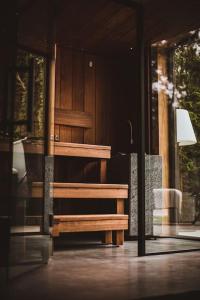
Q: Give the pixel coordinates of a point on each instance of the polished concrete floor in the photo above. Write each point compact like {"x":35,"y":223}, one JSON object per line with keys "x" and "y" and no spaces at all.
{"x":96,"y":272}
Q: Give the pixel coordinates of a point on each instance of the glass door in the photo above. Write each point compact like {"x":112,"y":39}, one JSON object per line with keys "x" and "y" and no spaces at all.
{"x":28,"y":244}
{"x":24,"y":214}
{"x":172,"y":163}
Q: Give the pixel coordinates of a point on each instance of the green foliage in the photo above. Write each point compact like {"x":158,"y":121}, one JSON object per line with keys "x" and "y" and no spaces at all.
{"x":187,"y":78}
{"x":21,"y":98}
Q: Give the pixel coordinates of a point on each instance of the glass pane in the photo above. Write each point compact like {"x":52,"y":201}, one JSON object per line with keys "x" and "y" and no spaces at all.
{"x":172,"y":167}
{"x":7,"y":35}
{"x":28,"y":245}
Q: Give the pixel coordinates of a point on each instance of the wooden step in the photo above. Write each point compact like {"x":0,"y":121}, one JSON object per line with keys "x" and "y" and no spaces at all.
{"x":82,"y":150}
{"x":82,"y":190}
{"x":83,"y":223}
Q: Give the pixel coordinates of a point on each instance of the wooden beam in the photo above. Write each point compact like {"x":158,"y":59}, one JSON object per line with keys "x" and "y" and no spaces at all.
{"x":163,"y":120}
{"x":51,"y":106}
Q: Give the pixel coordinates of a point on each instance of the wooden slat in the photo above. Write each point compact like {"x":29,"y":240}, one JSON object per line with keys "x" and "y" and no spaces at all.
{"x":82,"y":150}
{"x":78,"y":94}
{"x":83,"y":191}
{"x":66,"y":87}
{"x":96,"y":217}
{"x":90,"y":97}
{"x":73,"y":118}
{"x":101,"y":107}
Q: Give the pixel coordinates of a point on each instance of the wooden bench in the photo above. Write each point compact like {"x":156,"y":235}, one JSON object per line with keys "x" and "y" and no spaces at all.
{"x":84,"y":223}
{"x":75,"y":223}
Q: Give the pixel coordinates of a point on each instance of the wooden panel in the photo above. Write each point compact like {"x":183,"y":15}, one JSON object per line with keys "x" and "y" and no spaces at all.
{"x":73,"y":118}
{"x":65,"y":89}
{"x":86,"y":87}
{"x":78,"y":92}
{"x":89,"y":97}
{"x":82,"y":150}
{"x":101,"y":99}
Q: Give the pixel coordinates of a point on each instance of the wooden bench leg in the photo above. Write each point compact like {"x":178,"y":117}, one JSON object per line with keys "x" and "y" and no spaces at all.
{"x":55,"y":230}
{"x":103,"y":171}
{"x":119,"y":237}
{"x":107,"y":237}
{"x":120,"y":206}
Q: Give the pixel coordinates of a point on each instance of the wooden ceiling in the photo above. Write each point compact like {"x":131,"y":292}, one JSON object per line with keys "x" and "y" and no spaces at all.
{"x":96,"y":25}
{"x":105,"y":25}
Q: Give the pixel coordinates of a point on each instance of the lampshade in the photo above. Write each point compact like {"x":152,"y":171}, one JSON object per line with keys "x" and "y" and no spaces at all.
{"x":185,"y":131}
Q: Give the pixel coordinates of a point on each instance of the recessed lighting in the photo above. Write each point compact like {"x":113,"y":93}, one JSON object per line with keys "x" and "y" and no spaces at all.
{"x":163,"y":42}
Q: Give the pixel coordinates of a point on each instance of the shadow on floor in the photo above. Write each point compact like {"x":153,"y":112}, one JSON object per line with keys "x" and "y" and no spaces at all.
{"x":194,"y":295}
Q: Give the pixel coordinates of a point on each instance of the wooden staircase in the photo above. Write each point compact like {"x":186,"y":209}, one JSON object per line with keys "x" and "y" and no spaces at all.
{"x":108,"y":223}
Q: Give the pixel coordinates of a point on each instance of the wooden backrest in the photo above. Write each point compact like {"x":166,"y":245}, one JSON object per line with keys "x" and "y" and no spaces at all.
{"x":73,"y":118}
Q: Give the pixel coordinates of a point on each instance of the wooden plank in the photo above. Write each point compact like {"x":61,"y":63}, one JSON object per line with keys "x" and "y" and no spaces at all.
{"x":57,"y":90}
{"x":96,"y":225}
{"x":103,"y":171}
{"x":66,"y":89}
{"x":100,"y":98}
{"x":104,"y":95}
{"x":89,"y":193}
{"x":78,"y":92}
{"x":83,"y":191}
{"x":73,"y":118}
{"x":84,"y":185}
{"x":65,"y":218}
{"x":89,"y":96}
{"x":82,"y":150}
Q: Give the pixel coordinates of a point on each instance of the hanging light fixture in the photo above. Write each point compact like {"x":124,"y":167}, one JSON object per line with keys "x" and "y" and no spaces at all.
{"x":185,"y":131}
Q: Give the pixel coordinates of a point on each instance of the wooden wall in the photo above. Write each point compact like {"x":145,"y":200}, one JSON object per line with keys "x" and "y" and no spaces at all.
{"x":84,"y":88}
{"x":99,"y":85}
{"x":93,"y":84}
